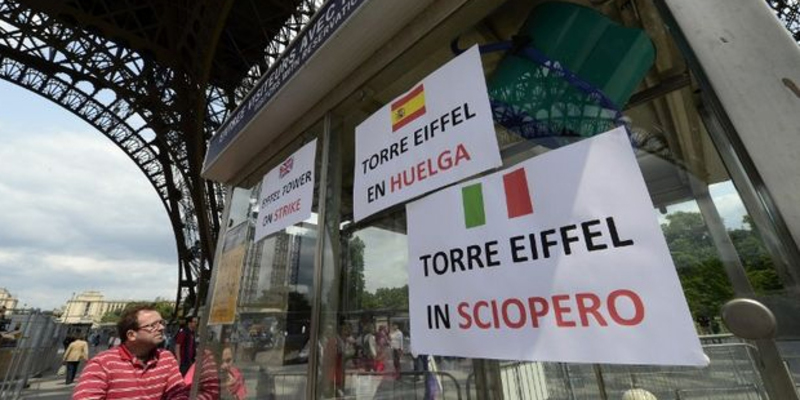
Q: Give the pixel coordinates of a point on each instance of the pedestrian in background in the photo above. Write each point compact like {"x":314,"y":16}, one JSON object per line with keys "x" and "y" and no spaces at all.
{"x":368,"y":348}
{"x":77,"y":351}
{"x":67,"y":340}
{"x":233,"y":379}
{"x":3,"y":321}
{"x":382,"y":347}
{"x":186,"y":345}
{"x":396,"y":341}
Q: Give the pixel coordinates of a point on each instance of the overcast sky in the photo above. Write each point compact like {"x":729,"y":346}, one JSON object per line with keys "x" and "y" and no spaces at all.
{"x":76,"y":214}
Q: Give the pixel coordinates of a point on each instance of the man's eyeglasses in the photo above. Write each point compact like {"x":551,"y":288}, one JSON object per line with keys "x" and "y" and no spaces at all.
{"x":154,"y":325}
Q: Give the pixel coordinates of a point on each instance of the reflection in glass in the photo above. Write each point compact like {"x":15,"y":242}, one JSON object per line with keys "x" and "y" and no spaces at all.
{"x":264,"y":353}
{"x":718,"y":249}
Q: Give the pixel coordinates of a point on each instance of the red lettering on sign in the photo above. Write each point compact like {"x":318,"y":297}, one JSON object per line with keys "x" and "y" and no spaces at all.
{"x":584,"y":310}
{"x":521,"y":312}
{"x":286,"y":210}
{"x":476,"y":314}
{"x":561,"y":310}
{"x":537,"y":312}
{"x":462,"y":311}
{"x":445,"y":161}
{"x":638,"y":315}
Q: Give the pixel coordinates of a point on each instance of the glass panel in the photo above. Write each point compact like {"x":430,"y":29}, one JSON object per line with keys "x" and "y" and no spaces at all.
{"x":716,"y":246}
{"x":372,"y":354}
{"x":241,"y":207}
{"x":264,"y":353}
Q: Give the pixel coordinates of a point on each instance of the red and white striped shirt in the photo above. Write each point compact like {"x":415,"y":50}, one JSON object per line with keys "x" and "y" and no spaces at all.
{"x":116,"y":374}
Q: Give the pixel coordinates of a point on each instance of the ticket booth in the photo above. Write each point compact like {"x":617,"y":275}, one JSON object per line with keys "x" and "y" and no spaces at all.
{"x":706,"y":93}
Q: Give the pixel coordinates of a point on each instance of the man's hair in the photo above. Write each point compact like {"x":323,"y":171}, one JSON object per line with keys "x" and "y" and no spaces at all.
{"x":188,"y":320}
{"x":129,"y":320}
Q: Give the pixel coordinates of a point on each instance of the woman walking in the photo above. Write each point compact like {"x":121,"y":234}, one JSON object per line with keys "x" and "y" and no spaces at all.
{"x":76,"y":351}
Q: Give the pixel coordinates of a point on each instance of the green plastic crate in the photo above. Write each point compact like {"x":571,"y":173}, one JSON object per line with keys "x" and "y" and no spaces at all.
{"x":580,"y":72}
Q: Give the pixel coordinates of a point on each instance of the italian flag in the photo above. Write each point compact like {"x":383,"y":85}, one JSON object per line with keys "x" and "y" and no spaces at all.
{"x":518,"y":199}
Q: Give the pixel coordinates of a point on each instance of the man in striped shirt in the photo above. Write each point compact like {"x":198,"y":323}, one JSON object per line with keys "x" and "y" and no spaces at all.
{"x":137,"y":369}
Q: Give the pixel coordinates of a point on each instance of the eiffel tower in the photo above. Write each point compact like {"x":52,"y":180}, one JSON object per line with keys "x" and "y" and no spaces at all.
{"x":157,"y":78}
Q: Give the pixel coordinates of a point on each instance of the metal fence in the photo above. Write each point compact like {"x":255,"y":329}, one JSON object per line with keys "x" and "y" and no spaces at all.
{"x":29,"y":348}
{"x":732,"y":375}
{"x":418,"y":385}
{"x":744,"y":392}
{"x":280,"y":386}
{"x":362,"y":385}
{"x":790,"y":352}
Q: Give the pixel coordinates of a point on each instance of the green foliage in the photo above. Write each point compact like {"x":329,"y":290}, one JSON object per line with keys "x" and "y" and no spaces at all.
{"x":386,"y":298}
{"x":700,"y":269}
{"x":354,"y":277}
{"x":757,"y":262}
{"x":358,"y":297}
{"x":688,"y":239}
{"x":111,"y":316}
{"x":706,"y":287}
{"x":164,"y":308}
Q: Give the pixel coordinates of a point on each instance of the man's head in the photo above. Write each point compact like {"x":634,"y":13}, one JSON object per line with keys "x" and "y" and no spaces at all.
{"x":191,"y":323}
{"x":227,"y":359}
{"x":141,"y":326}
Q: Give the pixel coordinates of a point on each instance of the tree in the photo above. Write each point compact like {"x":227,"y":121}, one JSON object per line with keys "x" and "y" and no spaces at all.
{"x":386,"y":298}
{"x":706,"y":287}
{"x":688,"y":239}
{"x":164,"y":308}
{"x":354,"y":289}
{"x":700,"y":269}
{"x":757,"y":262}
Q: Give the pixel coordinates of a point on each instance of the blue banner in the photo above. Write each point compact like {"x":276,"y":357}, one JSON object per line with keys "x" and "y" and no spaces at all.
{"x":326,"y":21}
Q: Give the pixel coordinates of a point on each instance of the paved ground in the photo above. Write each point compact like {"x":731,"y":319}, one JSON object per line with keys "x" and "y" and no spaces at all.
{"x":48,"y":387}
{"x":52,"y":387}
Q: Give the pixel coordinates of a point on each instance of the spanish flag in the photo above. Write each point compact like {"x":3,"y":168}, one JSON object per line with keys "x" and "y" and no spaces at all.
{"x":408,"y":108}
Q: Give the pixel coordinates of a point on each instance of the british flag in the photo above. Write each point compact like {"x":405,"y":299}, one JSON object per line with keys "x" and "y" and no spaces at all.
{"x":286,"y":167}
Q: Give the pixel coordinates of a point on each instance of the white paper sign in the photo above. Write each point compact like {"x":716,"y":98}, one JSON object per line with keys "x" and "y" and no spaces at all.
{"x":287,"y":192}
{"x":437,"y":133}
{"x":558,"y":258}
